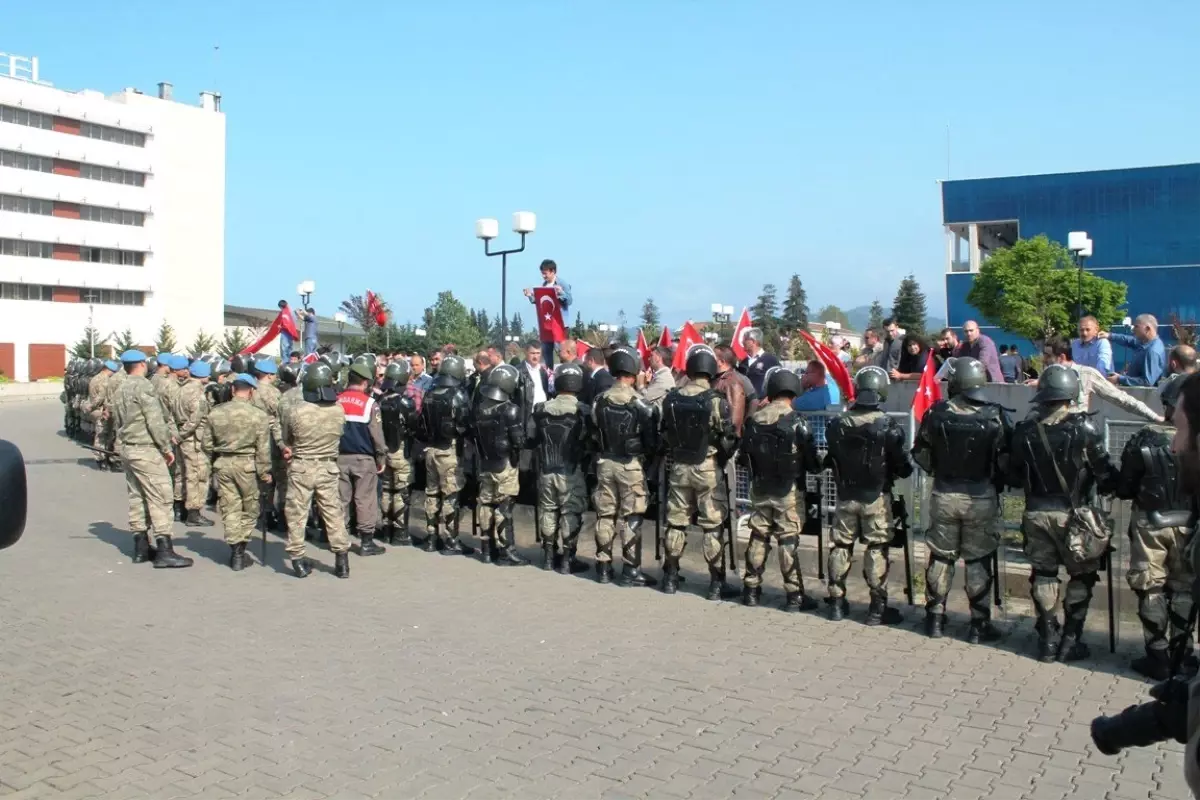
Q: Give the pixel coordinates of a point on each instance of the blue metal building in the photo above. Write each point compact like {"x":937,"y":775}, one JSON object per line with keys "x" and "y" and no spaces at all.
{"x":1144,"y":223}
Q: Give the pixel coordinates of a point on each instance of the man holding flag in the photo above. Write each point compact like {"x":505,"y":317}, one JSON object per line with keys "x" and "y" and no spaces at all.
{"x":964,"y":444}
{"x":552,"y":300}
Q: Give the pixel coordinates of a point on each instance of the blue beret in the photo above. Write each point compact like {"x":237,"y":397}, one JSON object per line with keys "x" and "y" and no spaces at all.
{"x":110,"y":364}
{"x":249,"y":380}
{"x":200,"y":370}
{"x":266,"y":366}
{"x":133,"y":357}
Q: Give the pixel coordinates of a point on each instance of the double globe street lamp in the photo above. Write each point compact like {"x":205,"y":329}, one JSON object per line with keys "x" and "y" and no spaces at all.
{"x":523,"y":223}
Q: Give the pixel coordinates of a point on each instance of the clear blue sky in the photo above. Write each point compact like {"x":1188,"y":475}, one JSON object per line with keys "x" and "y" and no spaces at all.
{"x":688,"y":151}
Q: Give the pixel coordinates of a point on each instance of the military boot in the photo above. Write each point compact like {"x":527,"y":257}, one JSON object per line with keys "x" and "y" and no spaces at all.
{"x":1047,"y":630}
{"x":301,"y":567}
{"x":571,"y":565}
{"x":368,"y":546}
{"x":509,"y":557}
{"x":165,"y":556}
{"x":839,"y":607}
{"x":431,"y":541}
{"x":210,"y":500}
{"x":1155,"y":665}
{"x":935,"y":625}
{"x":341,"y":564}
{"x":549,"y":558}
{"x":670,"y":575}
{"x":604,"y":572}
{"x":750,"y":595}
{"x":194,"y":520}
{"x":716,"y":584}
{"x":982,"y":630}
{"x":238,"y":559}
{"x":141,"y":548}
{"x":180,"y":511}
{"x":798,"y":601}
{"x":880,"y":613}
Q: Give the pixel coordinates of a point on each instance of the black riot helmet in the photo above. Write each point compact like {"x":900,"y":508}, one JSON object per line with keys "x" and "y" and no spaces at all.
{"x":500,"y":382}
{"x":318,"y":384}
{"x":223,"y":367}
{"x":397,"y":372}
{"x":967,"y":378}
{"x":452,"y":372}
{"x":151,"y":366}
{"x":623,"y":361}
{"x":1057,"y":384}
{"x":870,"y":387}
{"x":781,"y":381}
{"x":239,"y":364}
{"x":701,"y":362}
{"x":568,"y":378}
{"x":289,"y":374}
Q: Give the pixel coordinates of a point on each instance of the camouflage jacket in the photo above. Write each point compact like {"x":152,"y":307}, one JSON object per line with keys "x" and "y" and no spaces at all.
{"x":313,"y":431}
{"x":237,"y":428}
{"x":138,"y":417}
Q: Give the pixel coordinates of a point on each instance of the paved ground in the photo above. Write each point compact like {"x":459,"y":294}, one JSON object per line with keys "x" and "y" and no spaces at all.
{"x":441,"y":677}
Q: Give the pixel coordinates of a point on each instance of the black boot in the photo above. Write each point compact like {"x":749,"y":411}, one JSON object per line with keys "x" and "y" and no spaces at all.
{"x":1070,"y":648}
{"x":486,"y":549}
{"x":508,"y":557}
{"x":341,"y":565}
{"x":431,"y":542}
{"x":935,"y":625}
{"x":301,"y":567}
{"x":1155,"y":665}
{"x":839,"y":607}
{"x":572,"y":565}
{"x":141,"y":548}
{"x":452,"y":547}
{"x":210,"y":500}
{"x":368,"y":547}
{"x":604,"y":572}
{"x":670,"y":575}
{"x":716,"y":584}
{"x":798,"y":601}
{"x":982,"y":630}
{"x":549,"y":557}
{"x":880,"y":613}
{"x":1047,"y":630}
{"x":237,"y":558}
{"x":750,"y":595}
{"x":180,"y":511}
{"x":165,"y":556}
{"x":194,"y":520}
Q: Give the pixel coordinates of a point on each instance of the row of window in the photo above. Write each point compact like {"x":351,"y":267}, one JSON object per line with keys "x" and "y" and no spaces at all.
{"x":26,"y":161}
{"x":107,"y":297}
{"x":34,"y":205}
{"x":20,"y":247}
{"x":107,"y":133}
{"x":94,"y":255}
{"x":94,"y":172}
{"x":26,"y":205}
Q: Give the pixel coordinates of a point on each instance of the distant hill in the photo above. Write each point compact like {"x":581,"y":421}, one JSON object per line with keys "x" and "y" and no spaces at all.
{"x":858,"y":319}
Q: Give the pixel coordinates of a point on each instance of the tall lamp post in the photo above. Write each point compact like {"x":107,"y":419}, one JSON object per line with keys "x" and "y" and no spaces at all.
{"x":340,"y":319}
{"x":305,"y":289}
{"x":523,"y":223}
{"x":722,"y":315}
{"x":1081,"y":248}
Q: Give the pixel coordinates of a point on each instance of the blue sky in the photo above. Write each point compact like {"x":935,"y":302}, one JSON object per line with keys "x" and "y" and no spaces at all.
{"x":688,"y":151}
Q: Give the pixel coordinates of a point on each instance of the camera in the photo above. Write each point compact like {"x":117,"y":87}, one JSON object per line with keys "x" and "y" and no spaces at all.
{"x":1147,"y":723}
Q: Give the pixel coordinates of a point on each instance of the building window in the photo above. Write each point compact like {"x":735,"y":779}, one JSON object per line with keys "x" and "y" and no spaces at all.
{"x":26,"y":205}
{"x":20,"y":247}
{"x":103,"y":255}
{"x":112,"y":297}
{"x":108,"y":134}
{"x":112,"y":175}
{"x":25,"y":291}
{"x":106,"y":297}
{"x":20,"y":116}
{"x":26,"y":161}
{"x":113,"y":215}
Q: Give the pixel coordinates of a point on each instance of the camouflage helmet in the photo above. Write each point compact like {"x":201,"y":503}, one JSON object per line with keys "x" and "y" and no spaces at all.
{"x":1058,"y":383}
{"x":968,"y":376}
{"x":870,"y":387}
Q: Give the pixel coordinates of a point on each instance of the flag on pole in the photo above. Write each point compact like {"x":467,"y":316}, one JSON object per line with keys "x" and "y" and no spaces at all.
{"x":929,"y":391}
{"x":688,"y":337}
{"x":833,"y":365}
{"x":581,"y":349}
{"x":375,"y":309}
{"x":549,"y":314}
{"x":665,"y":339}
{"x":643,"y":349}
{"x":743,"y":324}
{"x":283,"y":323}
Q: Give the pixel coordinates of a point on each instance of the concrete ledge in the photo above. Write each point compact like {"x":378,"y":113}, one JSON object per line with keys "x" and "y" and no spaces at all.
{"x":18,"y":392}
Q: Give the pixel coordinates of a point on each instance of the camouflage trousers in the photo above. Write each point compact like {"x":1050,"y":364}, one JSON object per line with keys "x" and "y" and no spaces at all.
{"x":777,"y":518}
{"x":100,"y":427}
{"x":1046,"y":548}
{"x":963,"y":527}
{"x":237,"y":496}
{"x":871,"y":524}
{"x":309,"y":480}
{"x":278,"y":481}
{"x":396,"y":480}
{"x":443,"y":482}
{"x":1160,"y":574}
{"x":176,"y":470}
{"x":196,"y":472}
{"x":562,"y":499}
{"x":149,"y":489}
{"x":495,"y":504}
{"x":697,"y":489}
{"x":620,"y":496}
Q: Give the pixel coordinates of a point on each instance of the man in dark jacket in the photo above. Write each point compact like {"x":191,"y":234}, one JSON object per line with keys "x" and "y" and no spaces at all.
{"x":758,"y":360}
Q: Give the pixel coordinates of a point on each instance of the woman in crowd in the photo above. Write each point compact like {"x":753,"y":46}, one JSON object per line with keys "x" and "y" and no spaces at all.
{"x":913,"y":356}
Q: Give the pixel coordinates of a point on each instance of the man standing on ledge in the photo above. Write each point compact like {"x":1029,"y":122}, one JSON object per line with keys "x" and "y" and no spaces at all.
{"x":550,"y":278}
{"x":1145,"y":366}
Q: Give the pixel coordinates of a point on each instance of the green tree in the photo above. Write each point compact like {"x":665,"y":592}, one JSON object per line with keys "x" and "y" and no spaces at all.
{"x":165,"y":341}
{"x":622,"y":327}
{"x":833,"y":314}
{"x":578,"y":330}
{"x":123,"y":341}
{"x":764,"y":312}
{"x":875,"y":318}
{"x":651,"y":324}
{"x":795,"y":307}
{"x":203,"y":343}
{"x":1031,"y":289}
{"x":233,"y":342}
{"x":517,"y":327}
{"x":89,"y":345}
{"x":908,"y":309}
{"x":448,"y":322}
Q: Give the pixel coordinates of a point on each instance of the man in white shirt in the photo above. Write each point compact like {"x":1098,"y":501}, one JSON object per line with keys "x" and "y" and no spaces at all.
{"x":1058,"y":351}
{"x":535,"y":377}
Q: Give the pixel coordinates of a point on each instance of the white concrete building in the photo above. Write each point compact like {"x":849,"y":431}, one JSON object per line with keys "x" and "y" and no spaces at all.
{"x":112,"y":209}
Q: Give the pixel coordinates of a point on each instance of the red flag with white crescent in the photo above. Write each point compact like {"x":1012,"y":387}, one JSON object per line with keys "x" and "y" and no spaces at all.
{"x":743,"y":324}
{"x":549,"y":314}
{"x":833,"y":365}
{"x":929,"y":391}
{"x":688,"y":337}
{"x":643,"y":349}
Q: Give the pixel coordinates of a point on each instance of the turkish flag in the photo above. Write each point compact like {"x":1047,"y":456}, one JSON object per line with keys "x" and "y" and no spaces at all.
{"x":581,"y":349}
{"x":549,"y":314}
{"x":375,"y":309}
{"x":833,"y":365}
{"x":664,"y":340}
{"x":929,"y":391}
{"x":283,"y":322}
{"x":643,"y":349}
{"x":688,"y":337}
{"x":743,"y":325}
{"x":311,"y":358}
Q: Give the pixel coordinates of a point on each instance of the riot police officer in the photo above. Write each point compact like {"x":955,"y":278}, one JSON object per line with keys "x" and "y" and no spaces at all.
{"x":220,"y":388}
{"x":867,"y":453}
{"x":698,"y":435}
{"x":1160,"y":573}
{"x":781,"y":452}
{"x":399,"y":413}
{"x":499,"y":436}
{"x":625,"y":430}
{"x":561,"y":445}
{"x":1058,"y":458}
{"x":441,"y":426}
{"x":963,"y":442}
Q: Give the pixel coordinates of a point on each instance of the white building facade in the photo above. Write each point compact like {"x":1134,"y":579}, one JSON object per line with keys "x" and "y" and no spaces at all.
{"x":112,"y":210}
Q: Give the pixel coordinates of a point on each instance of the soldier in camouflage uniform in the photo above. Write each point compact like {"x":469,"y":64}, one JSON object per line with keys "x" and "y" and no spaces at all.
{"x":697,"y":432}
{"x":1160,"y":573}
{"x":141,"y":434}
{"x":236,"y":436}
{"x":312,"y":432}
{"x":399,"y":414}
{"x":561,"y":443}
{"x":290,"y":394}
{"x":781,"y":452}
{"x":266,"y":397}
{"x":180,"y":376}
{"x":866,"y":451}
{"x":190,"y":409}
{"x":1058,"y":458}
{"x":118,"y":377}
{"x":441,"y":426}
{"x":498,"y":432}
{"x":97,"y":407}
{"x":963,"y":443}
{"x":625,"y":430}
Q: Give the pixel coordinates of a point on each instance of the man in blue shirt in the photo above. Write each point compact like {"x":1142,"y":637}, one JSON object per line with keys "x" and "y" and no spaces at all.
{"x":1090,"y":349}
{"x":550,"y":278}
{"x":1149,"y":358}
{"x":1010,"y":363}
{"x":819,"y":392}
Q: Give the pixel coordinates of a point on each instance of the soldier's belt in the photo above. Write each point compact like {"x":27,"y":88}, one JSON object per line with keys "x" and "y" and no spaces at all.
{"x":314,"y":458}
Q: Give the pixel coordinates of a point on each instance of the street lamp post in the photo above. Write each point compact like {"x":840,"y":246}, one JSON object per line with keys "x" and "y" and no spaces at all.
{"x":340,"y":319}
{"x":524,"y":223}
{"x":91,"y":330}
{"x":305,"y":289}
{"x":1081,"y":248}
{"x":722,"y":315}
